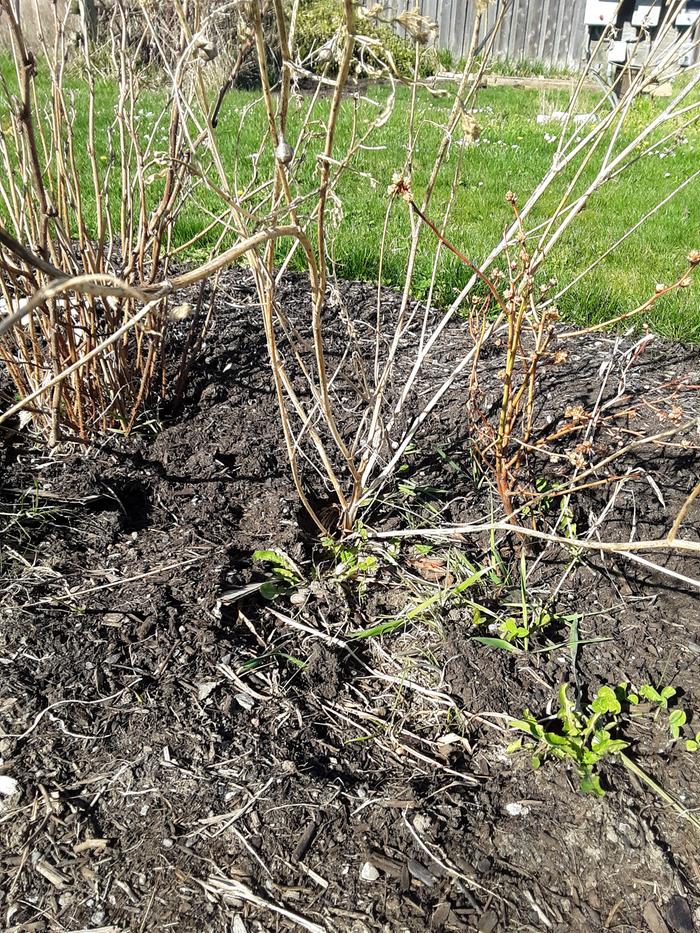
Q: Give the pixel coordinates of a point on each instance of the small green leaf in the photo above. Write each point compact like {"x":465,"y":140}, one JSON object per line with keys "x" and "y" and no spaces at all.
{"x":590,"y":784}
{"x":567,"y":713}
{"x":649,"y":693}
{"x":676,"y":720}
{"x":692,"y":745}
{"x":271,"y":590}
{"x":383,"y":628}
{"x":606,"y":703}
{"x":668,"y":692}
{"x":556,"y":741}
{"x":603,"y":744}
{"x":497,"y":643}
{"x":515,"y":746}
{"x":271,"y":557}
{"x":622,"y":694}
{"x":529,"y":725}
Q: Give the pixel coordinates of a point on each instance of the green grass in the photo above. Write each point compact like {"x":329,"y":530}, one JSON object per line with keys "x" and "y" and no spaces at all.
{"x":513,"y":154}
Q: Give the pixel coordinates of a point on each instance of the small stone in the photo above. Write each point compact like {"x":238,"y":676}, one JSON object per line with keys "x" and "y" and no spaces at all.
{"x":206,"y":689}
{"x":368,"y":872}
{"x":8,"y":786}
{"x":167,"y":843}
{"x":517,"y":809}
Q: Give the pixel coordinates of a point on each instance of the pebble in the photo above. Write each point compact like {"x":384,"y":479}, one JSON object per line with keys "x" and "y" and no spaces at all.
{"x":368,"y":872}
{"x":8,"y":786}
{"x":517,"y":809}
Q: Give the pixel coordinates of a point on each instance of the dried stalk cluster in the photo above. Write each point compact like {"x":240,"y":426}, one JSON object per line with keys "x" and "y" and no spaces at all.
{"x":73,"y":374}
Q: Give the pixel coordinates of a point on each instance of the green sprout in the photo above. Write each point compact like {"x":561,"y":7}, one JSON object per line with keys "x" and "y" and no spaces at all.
{"x":581,"y":738}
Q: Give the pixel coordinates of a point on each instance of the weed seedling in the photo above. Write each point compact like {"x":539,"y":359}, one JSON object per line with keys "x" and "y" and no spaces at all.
{"x":516,"y":628}
{"x":285,"y":576}
{"x":584,"y":739}
{"x":351,"y":560}
{"x":660,"y":698}
{"x":677,"y":718}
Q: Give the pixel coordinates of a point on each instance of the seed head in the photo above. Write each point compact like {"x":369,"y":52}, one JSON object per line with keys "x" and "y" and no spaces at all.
{"x":206,"y":50}
{"x":180,"y":312}
{"x":575,"y":412}
{"x":400,"y":187}
{"x":420,"y":28}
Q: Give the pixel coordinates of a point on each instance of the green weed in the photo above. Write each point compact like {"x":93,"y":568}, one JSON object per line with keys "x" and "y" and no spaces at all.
{"x":285,"y":576}
{"x":584,"y":739}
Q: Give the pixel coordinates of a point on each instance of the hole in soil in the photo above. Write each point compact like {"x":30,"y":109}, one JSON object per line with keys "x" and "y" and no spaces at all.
{"x":133,"y":501}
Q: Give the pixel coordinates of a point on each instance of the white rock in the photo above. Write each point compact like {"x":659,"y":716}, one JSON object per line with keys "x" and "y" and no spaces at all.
{"x":206,"y":688}
{"x":517,"y":809}
{"x":368,"y":872}
{"x":422,"y":823}
{"x":8,"y":786}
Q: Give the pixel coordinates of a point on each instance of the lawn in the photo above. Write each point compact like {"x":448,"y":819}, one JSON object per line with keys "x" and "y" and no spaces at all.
{"x":513,"y":153}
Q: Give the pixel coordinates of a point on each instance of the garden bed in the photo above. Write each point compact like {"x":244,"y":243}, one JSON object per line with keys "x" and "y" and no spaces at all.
{"x":187,"y":764}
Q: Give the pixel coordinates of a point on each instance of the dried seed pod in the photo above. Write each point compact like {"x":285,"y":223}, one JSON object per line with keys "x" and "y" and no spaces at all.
{"x":283,"y":152}
{"x":180,"y":312}
{"x":205,"y":49}
{"x":471,"y":131}
{"x":421,"y":29}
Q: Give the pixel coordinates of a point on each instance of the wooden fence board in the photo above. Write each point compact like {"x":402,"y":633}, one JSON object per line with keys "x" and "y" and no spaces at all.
{"x":549,"y":31}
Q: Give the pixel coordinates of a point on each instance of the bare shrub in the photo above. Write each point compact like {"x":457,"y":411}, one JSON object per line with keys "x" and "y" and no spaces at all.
{"x":73,"y":234}
{"x":277,"y":216}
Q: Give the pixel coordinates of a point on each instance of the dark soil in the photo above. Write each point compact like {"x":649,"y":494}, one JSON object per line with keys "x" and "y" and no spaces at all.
{"x":188,"y":764}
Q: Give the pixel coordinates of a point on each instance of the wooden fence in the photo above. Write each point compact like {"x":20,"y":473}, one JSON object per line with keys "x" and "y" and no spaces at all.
{"x":548,"y":31}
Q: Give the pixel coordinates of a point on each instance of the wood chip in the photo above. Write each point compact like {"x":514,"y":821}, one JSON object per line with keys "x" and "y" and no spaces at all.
{"x":421,"y":873}
{"x":653,"y":918}
{"x":88,"y":844}
{"x":488,"y":922}
{"x":304,"y":844}
{"x":231,"y":891}
{"x":57,"y":878}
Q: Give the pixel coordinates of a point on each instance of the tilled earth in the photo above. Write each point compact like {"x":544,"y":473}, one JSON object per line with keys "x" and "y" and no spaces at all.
{"x":169,"y":761}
